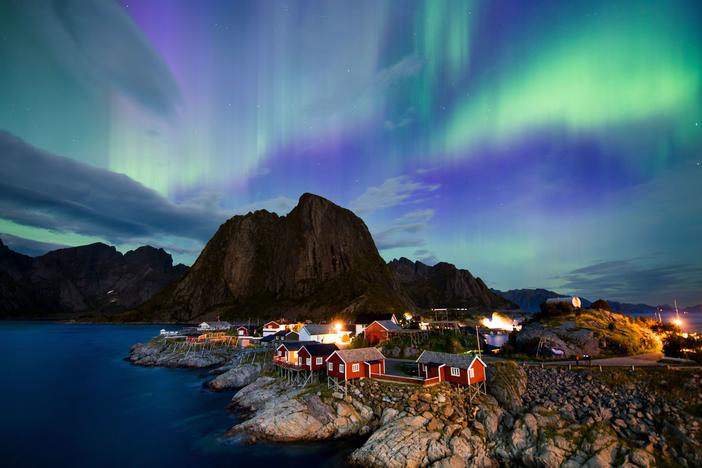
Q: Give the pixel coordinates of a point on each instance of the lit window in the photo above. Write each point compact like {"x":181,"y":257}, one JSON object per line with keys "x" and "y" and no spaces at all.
{"x":308,"y":361}
{"x":342,"y":368}
{"x":330,"y":366}
{"x":299,"y":361}
{"x":355,"y":367}
{"x":455,"y":372}
{"x":320,"y":360}
{"x":471,"y":373}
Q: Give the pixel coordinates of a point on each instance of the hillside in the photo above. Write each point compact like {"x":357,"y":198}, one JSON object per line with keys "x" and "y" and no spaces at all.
{"x":444,"y":285}
{"x":316,"y":262}
{"x":593,"y":332}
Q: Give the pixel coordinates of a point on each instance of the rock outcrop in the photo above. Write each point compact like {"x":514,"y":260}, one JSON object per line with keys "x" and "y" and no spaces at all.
{"x":317,"y":261}
{"x":444,"y":285}
{"x":237,"y":376}
{"x":292,"y":415}
{"x":158,"y":353}
{"x":94,"y":278}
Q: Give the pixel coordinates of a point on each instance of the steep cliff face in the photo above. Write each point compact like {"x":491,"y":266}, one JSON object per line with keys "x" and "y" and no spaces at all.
{"x":444,"y":285}
{"x":90,"y":278}
{"x":318,"y":261}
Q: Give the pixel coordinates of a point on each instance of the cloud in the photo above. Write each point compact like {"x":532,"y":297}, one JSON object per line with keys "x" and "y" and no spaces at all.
{"x":426,"y":256}
{"x":28,"y":246}
{"x":635,"y":279}
{"x":97,"y":40}
{"x":280,"y":205}
{"x":43,"y":190}
{"x":404,"y":231}
{"x":391,"y":192}
{"x":404,"y":68}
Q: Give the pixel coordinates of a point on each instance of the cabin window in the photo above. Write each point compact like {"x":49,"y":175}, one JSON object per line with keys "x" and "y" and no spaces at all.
{"x":342,"y":368}
{"x":330,"y":366}
{"x":455,"y":372}
{"x":471,"y":373}
{"x":308,"y":361}
{"x":319,"y":361}
{"x":355,"y":367}
{"x":299,"y":361}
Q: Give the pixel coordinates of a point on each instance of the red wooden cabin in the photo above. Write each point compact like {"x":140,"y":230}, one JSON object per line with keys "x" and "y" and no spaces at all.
{"x":381,"y":330}
{"x":454,"y":368}
{"x":350,"y":364}
{"x":314,"y":356}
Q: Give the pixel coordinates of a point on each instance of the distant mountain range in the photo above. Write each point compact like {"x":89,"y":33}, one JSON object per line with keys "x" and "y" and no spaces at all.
{"x":89,"y":279}
{"x":529,"y":300}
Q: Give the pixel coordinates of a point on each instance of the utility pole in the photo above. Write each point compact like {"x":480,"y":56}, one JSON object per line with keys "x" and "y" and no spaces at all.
{"x":477,"y":337}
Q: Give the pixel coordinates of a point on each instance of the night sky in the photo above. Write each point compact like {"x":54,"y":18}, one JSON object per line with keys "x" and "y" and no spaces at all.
{"x":536,"y":143}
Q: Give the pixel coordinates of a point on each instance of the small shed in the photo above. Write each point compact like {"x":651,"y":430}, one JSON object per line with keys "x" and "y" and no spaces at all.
{"x":460,"y":369}
{"x":358,"y":363}
{"x":314,"y":356}
{"x":274,"y":326}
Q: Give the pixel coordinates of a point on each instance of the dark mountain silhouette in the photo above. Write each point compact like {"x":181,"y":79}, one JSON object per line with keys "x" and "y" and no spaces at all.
{"x":318,"y":261}
{"x":81,"y":280}
{"x":444,"y":285}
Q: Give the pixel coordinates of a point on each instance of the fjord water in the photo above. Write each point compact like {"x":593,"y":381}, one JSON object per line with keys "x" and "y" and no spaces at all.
{"x":69,"y":398}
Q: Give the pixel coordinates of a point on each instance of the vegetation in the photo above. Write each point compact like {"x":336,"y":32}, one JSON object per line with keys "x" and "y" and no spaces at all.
{"x":443,"y":341}
{"x":552,"y":310}
{"x":600,"y":304}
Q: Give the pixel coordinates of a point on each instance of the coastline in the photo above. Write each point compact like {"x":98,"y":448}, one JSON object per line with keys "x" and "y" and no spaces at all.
{"x":550,"y":417}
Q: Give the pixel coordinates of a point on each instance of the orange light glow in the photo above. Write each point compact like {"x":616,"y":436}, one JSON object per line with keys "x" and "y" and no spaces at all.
{"x":500,"y":322}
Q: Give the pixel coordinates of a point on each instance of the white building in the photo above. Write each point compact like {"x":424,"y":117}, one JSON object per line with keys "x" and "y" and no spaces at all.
{"x":324,"y":333}
{"x":214,"y":326}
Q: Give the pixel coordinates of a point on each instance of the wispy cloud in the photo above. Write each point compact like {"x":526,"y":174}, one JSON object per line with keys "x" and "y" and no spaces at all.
{"x":635,"y":279}
{"x":404,"y":231}
{"x":391,"y":192}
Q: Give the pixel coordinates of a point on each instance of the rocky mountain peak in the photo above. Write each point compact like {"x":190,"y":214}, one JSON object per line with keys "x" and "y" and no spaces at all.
{"x":317,"y":261}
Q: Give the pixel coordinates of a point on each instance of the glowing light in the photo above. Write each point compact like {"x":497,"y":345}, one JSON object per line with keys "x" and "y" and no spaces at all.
{"x":408,"y":316}
{"x":677,"y":322}
{"x":500,"y":322}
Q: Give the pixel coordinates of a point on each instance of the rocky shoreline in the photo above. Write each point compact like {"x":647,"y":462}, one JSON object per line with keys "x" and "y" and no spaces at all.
{"x":530,"y":417}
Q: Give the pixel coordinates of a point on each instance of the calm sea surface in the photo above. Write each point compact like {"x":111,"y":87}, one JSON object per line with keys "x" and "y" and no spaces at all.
{"x":69,"y":398}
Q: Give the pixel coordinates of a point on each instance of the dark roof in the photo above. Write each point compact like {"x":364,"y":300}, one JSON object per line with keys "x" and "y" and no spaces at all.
{"x":280,"y":333}
{"x":319,"y":328}
{"x":462,"y":361}
{"x":320,"y":349}
{"x":295,"y":345}
{"x":389,"y":325}
{"x":360,"y":354}
{"x":267,"y":338}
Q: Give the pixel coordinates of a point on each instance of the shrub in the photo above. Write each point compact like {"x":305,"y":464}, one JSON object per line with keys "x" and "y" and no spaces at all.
{"x":557,"y":309}
{"x":600,"y":304}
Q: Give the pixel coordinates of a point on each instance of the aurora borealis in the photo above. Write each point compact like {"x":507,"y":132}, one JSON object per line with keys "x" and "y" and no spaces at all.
{"x":537,"y":144}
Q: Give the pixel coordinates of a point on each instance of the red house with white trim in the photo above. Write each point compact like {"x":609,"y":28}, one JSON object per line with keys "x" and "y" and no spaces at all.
{"x":274,"y":326}
{"x":380,"y":330}
{"x":454,"y":368}
{"x":347,"y":364}
{"x":314,"y":356}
